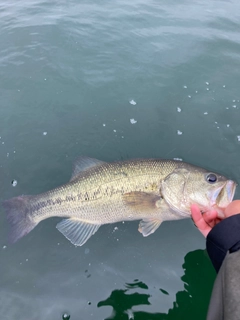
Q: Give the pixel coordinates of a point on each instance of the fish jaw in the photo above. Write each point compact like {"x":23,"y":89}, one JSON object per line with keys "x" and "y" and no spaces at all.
{"x":231,"y":188}
{"x":220,"y":198}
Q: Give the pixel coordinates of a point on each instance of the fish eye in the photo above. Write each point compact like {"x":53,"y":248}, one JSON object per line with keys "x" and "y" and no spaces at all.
{"x":211,"y":178}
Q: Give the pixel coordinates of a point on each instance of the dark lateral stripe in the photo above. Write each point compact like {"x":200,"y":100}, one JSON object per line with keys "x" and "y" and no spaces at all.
{"x":108,"y":191}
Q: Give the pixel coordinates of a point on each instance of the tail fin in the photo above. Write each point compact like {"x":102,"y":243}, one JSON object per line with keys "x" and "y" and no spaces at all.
{"x":19,"y":217}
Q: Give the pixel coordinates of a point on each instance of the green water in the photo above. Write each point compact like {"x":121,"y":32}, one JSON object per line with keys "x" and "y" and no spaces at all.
{"x":113,"y":80}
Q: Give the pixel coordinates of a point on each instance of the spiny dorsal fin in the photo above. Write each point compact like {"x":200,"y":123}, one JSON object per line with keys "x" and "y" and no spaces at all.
{"x":148,"y":226}
{"x":84,"y":163}
{"x":141,"y":201}
{"x":77,"y":231}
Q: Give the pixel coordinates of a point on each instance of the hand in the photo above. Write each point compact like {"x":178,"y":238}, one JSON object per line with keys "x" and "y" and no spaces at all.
{"x":232,"y":208}
{"x":206,"y":221}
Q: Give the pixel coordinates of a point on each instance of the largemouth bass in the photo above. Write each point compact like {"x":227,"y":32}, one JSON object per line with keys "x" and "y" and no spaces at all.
{"x":150,"y":190}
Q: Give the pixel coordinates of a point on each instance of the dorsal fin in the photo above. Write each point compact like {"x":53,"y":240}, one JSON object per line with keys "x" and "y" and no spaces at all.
{"x":84,"y":163}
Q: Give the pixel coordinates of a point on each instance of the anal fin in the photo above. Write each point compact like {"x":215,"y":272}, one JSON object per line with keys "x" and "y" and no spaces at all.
{"x":77,"y":231}
{"x":148,"y":226}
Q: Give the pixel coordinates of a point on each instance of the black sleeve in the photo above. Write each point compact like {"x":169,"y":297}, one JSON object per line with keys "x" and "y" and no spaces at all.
{"x":224,"y":237}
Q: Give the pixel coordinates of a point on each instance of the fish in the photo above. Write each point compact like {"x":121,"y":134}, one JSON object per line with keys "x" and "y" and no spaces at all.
{"x":98,"y":193}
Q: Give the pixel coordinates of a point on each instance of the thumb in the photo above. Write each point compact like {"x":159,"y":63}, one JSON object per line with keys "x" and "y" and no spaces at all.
{"x":232,"y":208}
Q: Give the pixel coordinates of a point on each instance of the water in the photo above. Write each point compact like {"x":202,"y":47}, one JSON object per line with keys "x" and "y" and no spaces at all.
{"x":113,"y":80}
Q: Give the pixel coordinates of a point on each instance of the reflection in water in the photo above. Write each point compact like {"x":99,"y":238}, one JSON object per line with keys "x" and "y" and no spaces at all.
{"x":122,"y":303}
{"x":198,"y":278}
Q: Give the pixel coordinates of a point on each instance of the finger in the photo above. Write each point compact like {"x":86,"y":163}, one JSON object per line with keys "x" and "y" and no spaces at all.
{"x":199,"y":221}
{"x":210,"y":217}
{"x":232,"y":208}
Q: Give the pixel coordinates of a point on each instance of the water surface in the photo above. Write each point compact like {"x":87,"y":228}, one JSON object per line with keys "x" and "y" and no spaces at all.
{"x":113,"y":80}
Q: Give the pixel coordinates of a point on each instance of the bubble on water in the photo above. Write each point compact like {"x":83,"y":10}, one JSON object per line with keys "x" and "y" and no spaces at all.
{"x":216,"y":122}
{"x":133,"y":121}
{"x":234,"y":106}
{"x":14,"y":183}
{"x":228,"y":125}
{"x":104,"y":125}
{"x":115,"y":229}
{"x":179,"y":109}
{"x":2,"y":142}
{"x":45,"y":79}
{"x":178,"y":159}
{"x":234,"y":100}
{"x":45,"y":133}
{"x":224,"y":86}
{"x":189,"y":97}
{"x":207,"y":83}
{"x":4,"y":247}
{"x":207,"y":89}
{"x":205,"y":112}
{"x":14,"y":151}
{"x":179,"y":132}
{"x":66,"y":316}
{"x":86,"y":251}
{"x":133,"y":102}
{"x":114,"y":130}
{"x":196,"y":91}
{"x":238,"y":137}
{"x":122,"y":137}
{"x":26,"y":260}
{"x":185,"y":87}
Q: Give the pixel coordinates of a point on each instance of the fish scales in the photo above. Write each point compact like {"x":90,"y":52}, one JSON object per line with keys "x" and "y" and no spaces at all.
{"x":101,"y":189}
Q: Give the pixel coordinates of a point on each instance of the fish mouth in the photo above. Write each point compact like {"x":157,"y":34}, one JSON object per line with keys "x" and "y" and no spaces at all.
{"x":222,"y":196}
{"x":231,"y":188}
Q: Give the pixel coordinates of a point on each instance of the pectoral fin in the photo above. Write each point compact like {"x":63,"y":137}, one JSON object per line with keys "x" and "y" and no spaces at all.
{"x":142,"y":201}
{"x":77,"y":231}
{"x":148,"y":226}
